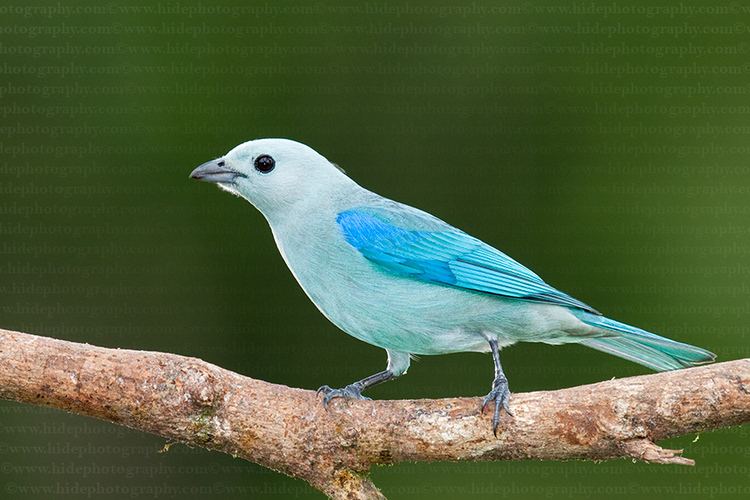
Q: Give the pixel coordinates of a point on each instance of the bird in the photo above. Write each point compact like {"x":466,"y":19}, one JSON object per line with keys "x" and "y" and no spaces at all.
{"x":403,"y":280}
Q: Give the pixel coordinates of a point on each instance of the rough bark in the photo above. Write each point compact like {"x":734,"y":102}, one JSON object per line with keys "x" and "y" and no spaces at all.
{"x":188,"y":400}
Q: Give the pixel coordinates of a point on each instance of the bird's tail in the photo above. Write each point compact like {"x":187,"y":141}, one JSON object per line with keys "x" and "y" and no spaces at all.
{"x":642,"y":347}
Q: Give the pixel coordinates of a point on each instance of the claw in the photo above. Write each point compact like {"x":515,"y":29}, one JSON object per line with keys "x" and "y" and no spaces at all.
{"x":351,"y":391}
{"x":500,"y":395}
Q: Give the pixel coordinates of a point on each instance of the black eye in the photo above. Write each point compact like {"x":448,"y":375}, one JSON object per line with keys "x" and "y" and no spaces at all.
{"x":264,"y":164}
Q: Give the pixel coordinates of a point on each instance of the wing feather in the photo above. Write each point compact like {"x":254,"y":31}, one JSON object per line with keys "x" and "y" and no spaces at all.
{"x":444,"y":256}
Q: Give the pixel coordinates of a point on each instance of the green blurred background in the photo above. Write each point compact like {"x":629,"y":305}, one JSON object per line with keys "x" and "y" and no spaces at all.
{"x":605,"y":145}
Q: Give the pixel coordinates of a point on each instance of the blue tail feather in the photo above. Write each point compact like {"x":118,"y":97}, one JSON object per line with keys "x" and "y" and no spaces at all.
{"x":640,"y":346}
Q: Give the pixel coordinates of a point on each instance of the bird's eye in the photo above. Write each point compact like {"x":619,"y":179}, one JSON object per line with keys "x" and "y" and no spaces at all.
{"x":264,"y":164}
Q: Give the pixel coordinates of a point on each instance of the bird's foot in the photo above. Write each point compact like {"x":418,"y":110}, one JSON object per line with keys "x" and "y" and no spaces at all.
{"x":500,"y":395}
{"x":351,"y":391}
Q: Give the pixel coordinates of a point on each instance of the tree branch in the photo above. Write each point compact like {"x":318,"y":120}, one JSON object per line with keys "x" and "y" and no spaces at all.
{"x":188,"y":400}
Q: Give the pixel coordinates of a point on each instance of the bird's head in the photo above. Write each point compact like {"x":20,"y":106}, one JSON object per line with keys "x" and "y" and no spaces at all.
{"x":273,"y":174}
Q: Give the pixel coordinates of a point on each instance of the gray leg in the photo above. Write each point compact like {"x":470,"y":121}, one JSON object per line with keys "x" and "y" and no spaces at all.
{"x":398,"y":363}
{"x":500,"y":393}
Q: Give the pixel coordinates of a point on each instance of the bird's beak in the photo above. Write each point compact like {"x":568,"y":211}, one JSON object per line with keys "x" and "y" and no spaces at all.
{"x":215,"y":171}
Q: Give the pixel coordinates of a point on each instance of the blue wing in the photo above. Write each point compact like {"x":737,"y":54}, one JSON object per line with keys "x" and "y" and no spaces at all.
{"x":443,"y":255}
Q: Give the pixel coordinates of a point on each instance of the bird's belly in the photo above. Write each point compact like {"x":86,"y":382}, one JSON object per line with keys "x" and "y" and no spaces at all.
{"x":409,"y":315}
{"x":412,"y":316}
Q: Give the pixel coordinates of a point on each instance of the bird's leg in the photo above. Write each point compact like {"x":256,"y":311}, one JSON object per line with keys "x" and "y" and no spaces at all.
{"x":500,"y":393}
{"x":354,"y":390}
{"x":398,"y":363}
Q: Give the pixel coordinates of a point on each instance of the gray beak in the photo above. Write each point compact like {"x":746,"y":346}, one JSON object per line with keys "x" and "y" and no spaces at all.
{"x":215,"y":171}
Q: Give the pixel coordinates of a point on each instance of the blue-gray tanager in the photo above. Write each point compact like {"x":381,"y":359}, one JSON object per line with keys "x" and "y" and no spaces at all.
{"x":399,"y":278}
